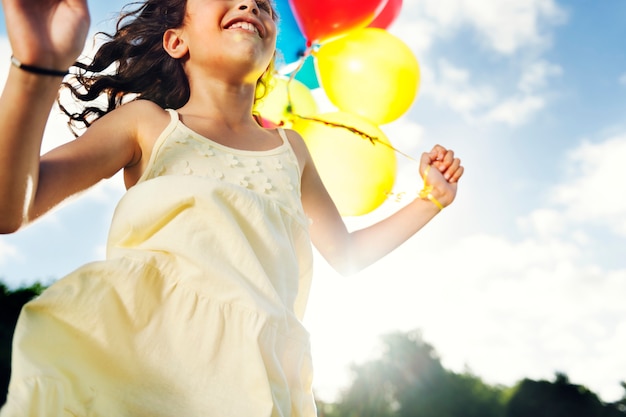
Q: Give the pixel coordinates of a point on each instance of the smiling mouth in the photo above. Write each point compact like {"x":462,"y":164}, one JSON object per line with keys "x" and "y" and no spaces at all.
{"x":247,"y":26}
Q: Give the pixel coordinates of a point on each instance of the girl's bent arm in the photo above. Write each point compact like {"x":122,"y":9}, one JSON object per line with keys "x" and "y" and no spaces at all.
{"x":31,"y":185}
{"x":109,"y":145}
{"x":349,"y":252}
{"x":48,"y":34}
{"x":24,"y":108}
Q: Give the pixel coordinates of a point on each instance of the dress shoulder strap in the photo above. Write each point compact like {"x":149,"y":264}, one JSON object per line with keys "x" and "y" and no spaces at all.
{"x":173,"y":115}
{"x":174,"y":119}
{"x":283,"y":135}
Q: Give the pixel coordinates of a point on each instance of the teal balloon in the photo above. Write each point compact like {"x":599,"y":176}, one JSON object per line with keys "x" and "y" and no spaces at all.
{"x":307,"y":74}
{"x":290,"y":42}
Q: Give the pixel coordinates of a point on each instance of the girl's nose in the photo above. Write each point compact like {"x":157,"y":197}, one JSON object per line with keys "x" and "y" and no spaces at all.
{"x":249,"y":4}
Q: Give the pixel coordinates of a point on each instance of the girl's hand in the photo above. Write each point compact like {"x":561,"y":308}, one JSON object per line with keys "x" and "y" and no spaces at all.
{"x":47,"y":33}
{"x":445,"y":177}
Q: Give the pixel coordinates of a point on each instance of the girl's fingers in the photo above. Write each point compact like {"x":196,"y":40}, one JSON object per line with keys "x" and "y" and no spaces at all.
{"x":442,"y":157}
{"x":426,"y":160}
{"x":457,"y":173}
{"x":438,"y":153}
{"x":448,"y":158}
{"x":444,"y":161}
{"x":451,"y":168}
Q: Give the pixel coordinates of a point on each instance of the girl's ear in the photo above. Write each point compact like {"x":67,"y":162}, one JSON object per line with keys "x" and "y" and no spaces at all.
{"x":174,"y":44}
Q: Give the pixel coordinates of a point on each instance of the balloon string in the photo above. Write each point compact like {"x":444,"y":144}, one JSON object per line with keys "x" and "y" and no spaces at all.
{"x":373,"y":139}
{"x":398,"y":197}
{"x":308,"y":51}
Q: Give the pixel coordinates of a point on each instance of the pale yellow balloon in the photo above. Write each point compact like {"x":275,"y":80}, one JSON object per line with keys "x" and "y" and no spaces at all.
{"x":358,"y":174}
{"x":369,"y":72}
{"x":275,"y":105}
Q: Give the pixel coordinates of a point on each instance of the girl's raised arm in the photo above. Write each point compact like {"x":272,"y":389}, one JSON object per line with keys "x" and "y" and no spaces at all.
{"x":349,"y":252}
{"x":48,"y":34}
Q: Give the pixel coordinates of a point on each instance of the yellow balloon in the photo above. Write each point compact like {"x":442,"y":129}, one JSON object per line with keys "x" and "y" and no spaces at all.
{"x":274,"y":106}
{"x":369,"y":72}
{"x":358,"y":174}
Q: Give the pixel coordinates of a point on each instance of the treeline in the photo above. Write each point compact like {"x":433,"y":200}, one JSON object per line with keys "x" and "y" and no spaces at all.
{"x":407,"y":380}
{"x":11,"y":303}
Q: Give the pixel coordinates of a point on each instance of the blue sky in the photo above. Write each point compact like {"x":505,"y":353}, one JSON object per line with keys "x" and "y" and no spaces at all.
{"x":525,"y":274}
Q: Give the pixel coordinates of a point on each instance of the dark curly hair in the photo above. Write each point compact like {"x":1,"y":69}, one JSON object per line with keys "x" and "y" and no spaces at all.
{"x":132,"y":64}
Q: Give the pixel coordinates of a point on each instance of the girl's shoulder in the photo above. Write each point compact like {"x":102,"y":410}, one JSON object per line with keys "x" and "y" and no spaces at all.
{"x":138,"y":116}
{"x":295,"y":140}
{"x":299,"y":147}
{"x":142,"y":111}
{"x":147,"y":120}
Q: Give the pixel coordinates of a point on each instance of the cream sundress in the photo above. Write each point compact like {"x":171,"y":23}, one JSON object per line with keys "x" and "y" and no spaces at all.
{"x":197,"y":309}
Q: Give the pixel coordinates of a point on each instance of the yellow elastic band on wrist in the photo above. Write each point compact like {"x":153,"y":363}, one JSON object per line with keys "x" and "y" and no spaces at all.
{"x":426,"y":192}
{"x":433,"y":199}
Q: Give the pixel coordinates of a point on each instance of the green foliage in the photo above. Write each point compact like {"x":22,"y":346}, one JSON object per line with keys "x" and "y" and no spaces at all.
{"x":408,"y":380}
{"x":558,"y":399}
{"x":11,"y":303}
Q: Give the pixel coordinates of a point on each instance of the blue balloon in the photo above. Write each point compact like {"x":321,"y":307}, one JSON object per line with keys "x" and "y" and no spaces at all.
{"x":290,"y":42}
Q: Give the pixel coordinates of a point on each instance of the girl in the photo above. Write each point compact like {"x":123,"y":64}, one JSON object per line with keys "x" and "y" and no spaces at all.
{"x":196,"y":310}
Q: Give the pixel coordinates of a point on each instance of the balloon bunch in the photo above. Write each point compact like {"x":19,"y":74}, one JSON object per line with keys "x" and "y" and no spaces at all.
{"x":369,"y":75}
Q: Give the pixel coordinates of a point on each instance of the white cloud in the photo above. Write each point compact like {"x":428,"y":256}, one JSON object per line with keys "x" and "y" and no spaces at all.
{"x":454,"y":87}
{"x":504,"y":26}
{"x":622,"y":79}
{"x":530,"y":97}
{"x":550,"y":223}
{"x":596,"y":192}
{"x":536,"y":75}
{"x":404,"y":134}
{"x":7,"y":251}
{"x":515,"y":111}
{"x":587,"y":207}
{"x":415,"y":30}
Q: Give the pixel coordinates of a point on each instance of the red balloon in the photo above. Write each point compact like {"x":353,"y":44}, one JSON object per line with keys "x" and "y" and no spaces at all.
{"x":387,"y":16}
{"x":321,"y":20}
{"x":266,"y":123}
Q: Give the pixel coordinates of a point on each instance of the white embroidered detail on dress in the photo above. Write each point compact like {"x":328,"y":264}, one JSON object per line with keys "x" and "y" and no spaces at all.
{"x":273,"y":173}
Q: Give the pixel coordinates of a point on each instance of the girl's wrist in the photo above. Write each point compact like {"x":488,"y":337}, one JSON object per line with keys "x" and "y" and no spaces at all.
{"x":428,"y":195}
{"x":37,"y":70}
{"x":29,"y":86}
{"x":426,"y":206}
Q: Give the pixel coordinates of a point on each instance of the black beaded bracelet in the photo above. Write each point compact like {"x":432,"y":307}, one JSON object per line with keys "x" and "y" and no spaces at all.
{"x":37,"y":70}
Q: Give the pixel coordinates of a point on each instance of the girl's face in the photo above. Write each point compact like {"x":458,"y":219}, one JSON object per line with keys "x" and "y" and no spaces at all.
{"x":237,"y":35}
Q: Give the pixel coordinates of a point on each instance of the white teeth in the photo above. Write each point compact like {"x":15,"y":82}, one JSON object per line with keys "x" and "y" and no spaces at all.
{"x":245,"y":26}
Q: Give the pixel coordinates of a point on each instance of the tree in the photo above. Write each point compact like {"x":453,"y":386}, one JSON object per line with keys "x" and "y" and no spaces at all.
{"x":620,"y":405}
{"x":10,"y":306}
{"x":560,"y":398}
{"x":408,"y":380}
